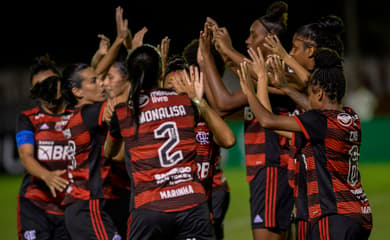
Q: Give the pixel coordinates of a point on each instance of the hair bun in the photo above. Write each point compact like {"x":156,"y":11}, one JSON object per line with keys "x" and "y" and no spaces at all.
{"x":277,"y":9}
{"x":327,"y":58}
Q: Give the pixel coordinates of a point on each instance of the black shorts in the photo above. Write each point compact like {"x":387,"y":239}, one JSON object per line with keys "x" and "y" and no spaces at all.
{"x":271,"y":199}
{"x":302,"y":229}
{"x":191,"y":224}
{"x":88,"y":220}
{"x":35,"y":223}
{"x":338,"y":227}
{"x":220,"y":203}
{"x":119,"y":211}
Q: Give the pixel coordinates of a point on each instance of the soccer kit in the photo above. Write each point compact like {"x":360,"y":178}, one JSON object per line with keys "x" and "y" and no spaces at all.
{"x":211,"y":176}
{"x":40,"y":215}
{"x":267,"y":155}
{"x":167,"y":199}
{"x":338,"y":207}
{"x":88,"y":169}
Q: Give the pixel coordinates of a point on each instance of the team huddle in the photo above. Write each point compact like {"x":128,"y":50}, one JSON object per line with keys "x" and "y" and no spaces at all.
{"x":128,"y":145}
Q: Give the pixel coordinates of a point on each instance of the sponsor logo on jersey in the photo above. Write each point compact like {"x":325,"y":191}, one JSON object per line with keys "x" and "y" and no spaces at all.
{"x":344,"y":119}
{"x":143,"y":101}
{"x":48,"y":150}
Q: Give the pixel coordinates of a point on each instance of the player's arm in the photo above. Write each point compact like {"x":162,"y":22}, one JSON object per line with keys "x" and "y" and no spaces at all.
{"x":272,"y":43}
{"x":122,"y":33}
{"x":223,"y":135}
{"x":26,"y":149}
{"x":266,"y":118}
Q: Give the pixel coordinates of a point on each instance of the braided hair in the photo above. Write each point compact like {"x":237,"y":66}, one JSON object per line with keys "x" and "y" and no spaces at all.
{"x":329,"y":74}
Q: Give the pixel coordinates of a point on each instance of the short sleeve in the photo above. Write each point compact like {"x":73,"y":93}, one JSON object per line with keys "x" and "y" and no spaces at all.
{"x":92,"y":114}
{"x":313,"y":124}
{"x":24,"y":131}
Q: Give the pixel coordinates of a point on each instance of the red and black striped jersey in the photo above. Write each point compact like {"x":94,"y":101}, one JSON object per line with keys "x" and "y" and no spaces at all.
{"x":263,"y":147}
{"x":330,"y":146}
{"x":206,"y":155}
{"x":161,"y":159}
{"x":50,"y":150}
{"x":88,"y":167}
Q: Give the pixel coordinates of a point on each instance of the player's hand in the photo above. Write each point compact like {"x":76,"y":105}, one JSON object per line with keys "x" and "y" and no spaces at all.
{"x":138,"y":39}
{"x":55,"y":182}
{"x":245,"y":80}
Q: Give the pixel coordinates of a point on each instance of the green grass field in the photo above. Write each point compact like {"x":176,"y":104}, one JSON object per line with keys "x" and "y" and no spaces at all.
{"x":375,"y":179}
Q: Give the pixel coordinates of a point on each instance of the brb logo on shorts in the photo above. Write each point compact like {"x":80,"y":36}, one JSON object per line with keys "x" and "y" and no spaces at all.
{"x":30,"y":235}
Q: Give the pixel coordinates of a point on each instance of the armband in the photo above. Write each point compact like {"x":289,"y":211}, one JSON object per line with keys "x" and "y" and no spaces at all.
{"x":25,"y":137}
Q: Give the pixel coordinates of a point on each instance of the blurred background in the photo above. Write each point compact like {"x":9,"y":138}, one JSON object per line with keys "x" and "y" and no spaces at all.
{"x":67,"y":31}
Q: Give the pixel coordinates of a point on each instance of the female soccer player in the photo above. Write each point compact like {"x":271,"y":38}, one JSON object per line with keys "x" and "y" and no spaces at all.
{"x":328,"y":139}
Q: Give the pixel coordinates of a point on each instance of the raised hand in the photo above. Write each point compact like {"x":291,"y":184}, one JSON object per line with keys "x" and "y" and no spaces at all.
{"x":204,"y":44}
{"x":122,"y":31}
{"x":183,"y":84}
{"x":55,"y":182}
{"x":272,"y":43}
{"x":257,"y":63}
{"x":164,"y":50}
{"x":138,"y":39}
{"x":222,"y":40}
{"x":245,"y":80}
{"x":277,"y":75}
{"x":104,"y":44}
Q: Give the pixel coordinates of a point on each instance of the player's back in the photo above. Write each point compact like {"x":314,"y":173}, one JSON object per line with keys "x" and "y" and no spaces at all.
{"x":161,"y":155}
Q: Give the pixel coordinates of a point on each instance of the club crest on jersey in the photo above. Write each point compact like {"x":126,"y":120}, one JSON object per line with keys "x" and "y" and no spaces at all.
{"x":202,"y":137}
{"x":30,"y":235}
{"x":344,"y":119}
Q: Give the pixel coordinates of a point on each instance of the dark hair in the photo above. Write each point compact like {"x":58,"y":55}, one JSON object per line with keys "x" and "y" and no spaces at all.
{"x":328,"y":73}
{"x":174,"y":63}
{"x":43,"y":63}
{"x":72,"y":79}
{"x":145,"y":68}
{"x":122,"y":68}
{"x":324,"y":33}
{"x":190,"y":53}
{"x":275,"y":19}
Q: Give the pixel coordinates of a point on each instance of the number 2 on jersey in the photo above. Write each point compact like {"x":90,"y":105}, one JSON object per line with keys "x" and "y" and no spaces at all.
{"x":166,"y":156}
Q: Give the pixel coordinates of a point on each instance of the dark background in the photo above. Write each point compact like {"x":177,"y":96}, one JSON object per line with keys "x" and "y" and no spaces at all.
{"x":67,"y":29}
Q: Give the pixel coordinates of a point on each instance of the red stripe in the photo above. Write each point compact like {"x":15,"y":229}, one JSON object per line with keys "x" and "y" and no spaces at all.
{"x":326,"y":228}
{"x":101,"y":113}
{"x":128,"y":227}
{"x":302,"y":127}
{"x":266,"y":199}
{"x":320,"y":229}
{"x":299,"y":231}
{"x":304,"y":230}
{"x":99,"y":220}
{"x":18,"y":219}
{"x":91,"y":211}
{"x":274,"y":200}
